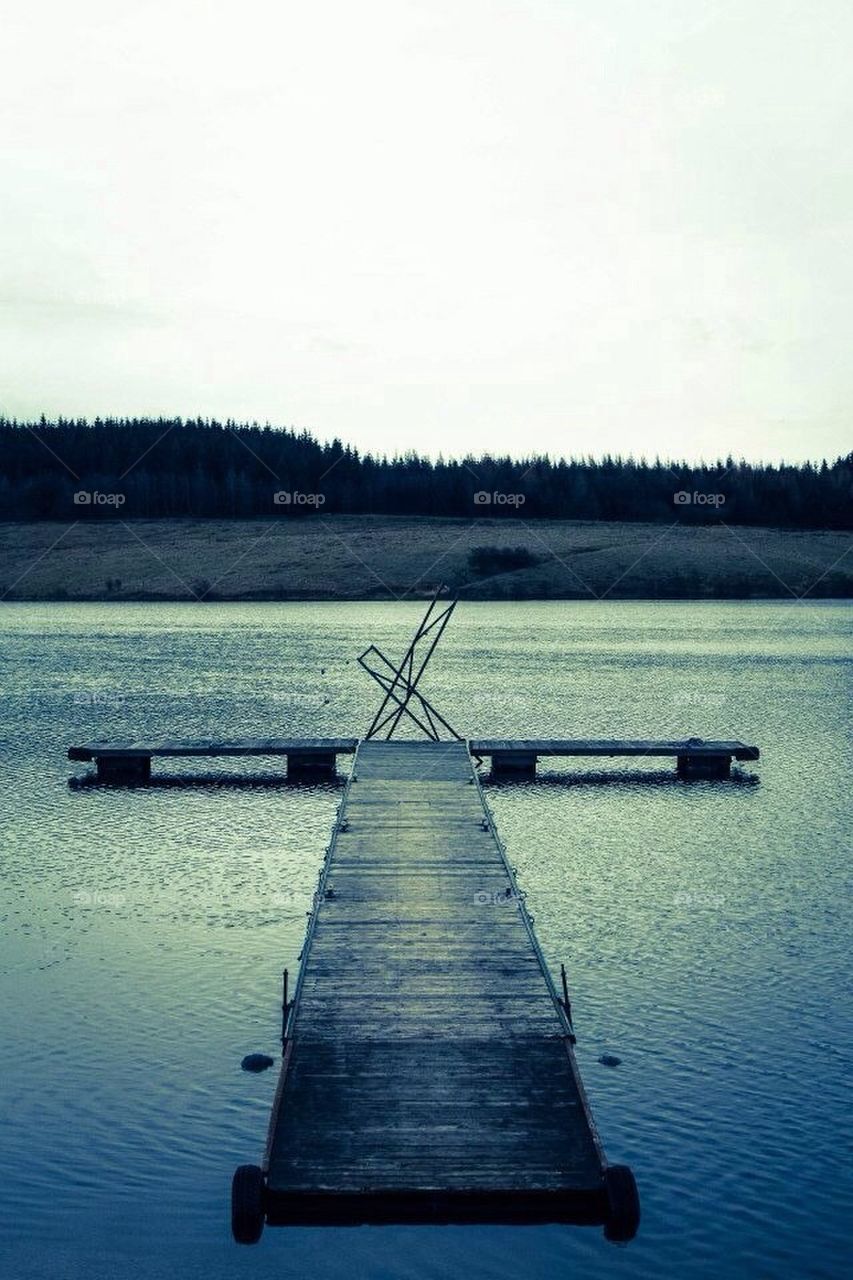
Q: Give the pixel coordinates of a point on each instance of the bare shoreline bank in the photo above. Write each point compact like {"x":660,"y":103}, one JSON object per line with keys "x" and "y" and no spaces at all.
{"x":380,"y":557}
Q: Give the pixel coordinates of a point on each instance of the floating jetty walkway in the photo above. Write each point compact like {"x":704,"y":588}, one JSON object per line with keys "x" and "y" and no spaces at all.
{"x":428,"y":1071}
{"x":129,"y":763}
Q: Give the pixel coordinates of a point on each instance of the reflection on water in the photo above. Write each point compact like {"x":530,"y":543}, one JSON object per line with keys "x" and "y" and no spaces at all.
{"x":617,"y":777}
{"x":207,"y":780}
{"x":704,"y":926}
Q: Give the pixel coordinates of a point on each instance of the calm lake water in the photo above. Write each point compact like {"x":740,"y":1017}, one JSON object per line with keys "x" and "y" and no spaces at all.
{"x":705,"y":927}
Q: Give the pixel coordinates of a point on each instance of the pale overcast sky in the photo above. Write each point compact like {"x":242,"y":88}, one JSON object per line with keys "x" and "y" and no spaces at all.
{"x":567,"y":226}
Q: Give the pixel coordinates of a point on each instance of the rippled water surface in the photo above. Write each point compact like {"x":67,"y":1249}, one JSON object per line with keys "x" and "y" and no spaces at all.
{"x":705,"y":927}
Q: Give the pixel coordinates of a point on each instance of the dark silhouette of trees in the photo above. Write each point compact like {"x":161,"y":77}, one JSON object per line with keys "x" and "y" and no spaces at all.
{"x":209,"y":469}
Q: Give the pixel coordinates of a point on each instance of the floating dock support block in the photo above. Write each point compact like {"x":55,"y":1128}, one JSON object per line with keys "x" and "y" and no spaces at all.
{"x":311,"y":764}
{"x":704,"y":766}
{"x":514,"y":763}
{"x":124,"y":771}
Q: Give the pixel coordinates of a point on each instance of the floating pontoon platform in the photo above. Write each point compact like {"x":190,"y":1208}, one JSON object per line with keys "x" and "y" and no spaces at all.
{"x":428,"y":1071}
{"x":129,"y":763}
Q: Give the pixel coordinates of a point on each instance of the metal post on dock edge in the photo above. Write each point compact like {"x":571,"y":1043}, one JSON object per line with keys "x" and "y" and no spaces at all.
{"x":285,"y":1008}
{"x":567,"y":1004}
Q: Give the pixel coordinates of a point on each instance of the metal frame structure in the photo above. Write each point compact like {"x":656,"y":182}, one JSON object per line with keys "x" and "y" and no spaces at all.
{"x":400,"y":684}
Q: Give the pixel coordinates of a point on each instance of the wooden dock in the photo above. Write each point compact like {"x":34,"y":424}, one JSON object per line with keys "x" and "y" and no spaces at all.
{"x":695,"y":758}
{"x":129,"y":763}
{"x":428,"y":1071}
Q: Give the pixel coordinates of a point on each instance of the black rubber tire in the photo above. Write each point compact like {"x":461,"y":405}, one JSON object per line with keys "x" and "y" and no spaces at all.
{"x":623,"y":1200}
{"x":247,"y":1204}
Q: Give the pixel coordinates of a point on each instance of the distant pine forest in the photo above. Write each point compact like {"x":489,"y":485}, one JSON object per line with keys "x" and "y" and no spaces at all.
{"x":151,"y":468}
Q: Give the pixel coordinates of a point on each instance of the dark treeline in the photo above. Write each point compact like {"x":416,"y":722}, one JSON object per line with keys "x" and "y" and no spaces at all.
{"x":153,"y":468}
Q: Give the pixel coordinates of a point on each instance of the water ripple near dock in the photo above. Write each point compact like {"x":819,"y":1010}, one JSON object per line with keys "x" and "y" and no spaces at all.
{"x":705,"y":929}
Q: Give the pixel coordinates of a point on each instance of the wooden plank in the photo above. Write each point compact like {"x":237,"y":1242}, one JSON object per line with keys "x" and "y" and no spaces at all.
{"x":467,"y":1114}
{"x":612,"y":747}
{"x":401,"y":769}
{"x":427,"y":1052}
{"x":246,"y":747}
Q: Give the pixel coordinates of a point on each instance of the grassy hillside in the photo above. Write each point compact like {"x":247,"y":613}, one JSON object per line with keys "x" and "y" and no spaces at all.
{"x":359,"y":557}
